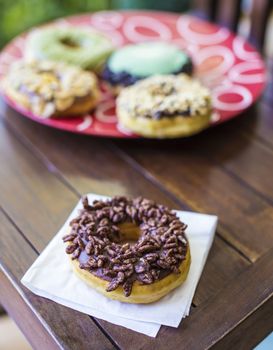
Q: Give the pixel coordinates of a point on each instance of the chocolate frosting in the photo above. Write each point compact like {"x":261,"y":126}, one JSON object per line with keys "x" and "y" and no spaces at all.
{"x":95,"y":240}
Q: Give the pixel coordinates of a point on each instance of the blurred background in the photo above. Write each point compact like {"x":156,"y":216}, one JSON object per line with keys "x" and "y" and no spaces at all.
{"x":19,"y":15}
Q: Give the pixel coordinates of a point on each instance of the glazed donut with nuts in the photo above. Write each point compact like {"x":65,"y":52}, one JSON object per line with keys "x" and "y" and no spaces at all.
{"x":52,"y":89}
{"x":131,"y":250}
{"x":165,"y":106}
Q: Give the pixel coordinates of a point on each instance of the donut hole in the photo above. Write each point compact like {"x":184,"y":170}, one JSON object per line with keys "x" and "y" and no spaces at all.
{"x":129,"y":233}
{"x":70,"y":42}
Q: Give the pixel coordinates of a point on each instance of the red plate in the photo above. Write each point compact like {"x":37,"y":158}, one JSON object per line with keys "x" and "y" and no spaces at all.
{"x":225,"y":63}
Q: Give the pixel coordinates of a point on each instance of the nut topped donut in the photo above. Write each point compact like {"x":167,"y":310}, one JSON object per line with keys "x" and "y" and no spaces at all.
{"x":51,"y":89}
{"x":165,"y":106}
{"x":133,"y":251}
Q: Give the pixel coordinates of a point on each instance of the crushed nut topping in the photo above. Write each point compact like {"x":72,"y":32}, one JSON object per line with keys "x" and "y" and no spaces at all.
{"x":95,"y":240}
{"x":50,"y":86}
{"x":164,"y":96}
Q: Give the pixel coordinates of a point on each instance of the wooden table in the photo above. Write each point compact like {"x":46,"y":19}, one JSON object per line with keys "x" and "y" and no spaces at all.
{"x":225,"y":171}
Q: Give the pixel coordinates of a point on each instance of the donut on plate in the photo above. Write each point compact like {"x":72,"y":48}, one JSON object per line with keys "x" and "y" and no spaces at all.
{"x":134,"y":251}
{"x":135,"y":62}
{"x":51,"y":89}
{"x":165,"y":106}
{"x":82,"y":47}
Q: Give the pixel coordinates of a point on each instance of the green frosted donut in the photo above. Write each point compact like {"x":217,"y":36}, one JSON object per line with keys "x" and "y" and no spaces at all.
{"x":79,"y":46}
{"x":147,"y":59}
{"x":135,"y":62}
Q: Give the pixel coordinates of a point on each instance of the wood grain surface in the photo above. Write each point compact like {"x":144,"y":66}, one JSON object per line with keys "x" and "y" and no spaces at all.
{"x":47,"y":325}
{"x":225,"y":171}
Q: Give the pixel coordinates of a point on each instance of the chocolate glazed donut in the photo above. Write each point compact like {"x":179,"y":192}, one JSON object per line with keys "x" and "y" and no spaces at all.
{"x":130,"y":250}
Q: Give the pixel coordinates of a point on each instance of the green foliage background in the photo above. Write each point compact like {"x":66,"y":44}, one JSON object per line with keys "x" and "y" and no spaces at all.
{"x":17,"y":16}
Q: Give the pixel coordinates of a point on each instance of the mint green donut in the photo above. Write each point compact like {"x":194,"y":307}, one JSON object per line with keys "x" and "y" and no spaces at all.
{"x":147,"y":59}
{"x":78,"y":46}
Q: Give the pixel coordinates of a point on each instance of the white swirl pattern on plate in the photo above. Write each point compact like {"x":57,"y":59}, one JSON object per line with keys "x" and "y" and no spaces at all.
{"x":62,"y":23}
{"x":116,"y":38}
{"x":124,"y":130}
{"x":131,"y":24}
{"x":85,"y":124}
{"x":20,"y":43}
{"x":190,"y":48}
{"x":236,"y":73}
{"x":106,"y":94}
{"x":109,"y":23}
{"x":216,"y":51}
{"x":7,"y":58}
{"x":246,"y":98}
{"x":240,"y":51}
{"x":215,"y":117}
{"x":183,"y":26}
{"x":107,"y":20}
{"x":100,"y":112}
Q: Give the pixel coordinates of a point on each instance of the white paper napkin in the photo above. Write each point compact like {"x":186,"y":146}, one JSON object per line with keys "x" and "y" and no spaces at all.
{"x":51,"y":277}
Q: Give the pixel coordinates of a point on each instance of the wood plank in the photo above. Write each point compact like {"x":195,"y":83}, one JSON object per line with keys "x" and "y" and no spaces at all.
{"x":245,"y":299}
{"x":257,"y":121}
{"x":259,"y":18}
{"x":240,"y":153}
{"x":220,"y":268}
{"x":252,"y":164}
{"x":264,"y":126}
{"x":47,"y":325}
{"x":28,"y":192}
{"x":231,"y":307}
{"x":50,"y":142}
{"x":83,"y":174}
{"x":85,"y":164}
{"x":236,"y":156}
{"x":191,"y":177}
{"x":261,"y":322}
{"x":228,"y":14}
{"x":30,"y":326}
